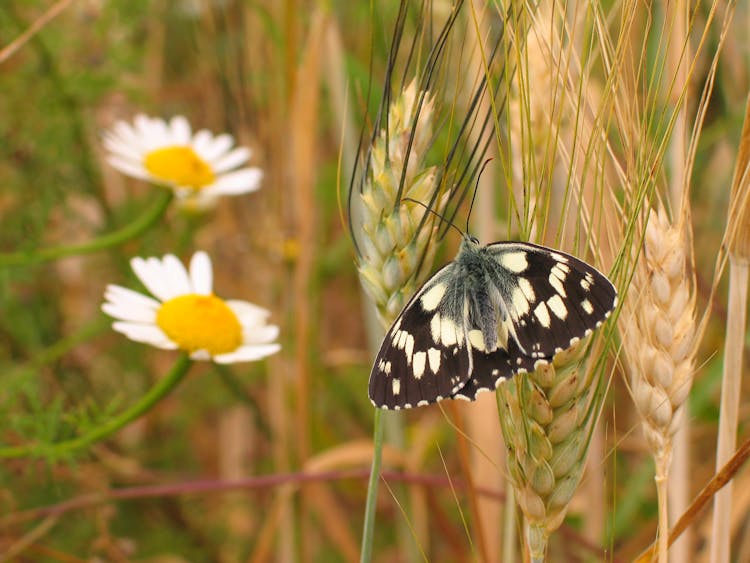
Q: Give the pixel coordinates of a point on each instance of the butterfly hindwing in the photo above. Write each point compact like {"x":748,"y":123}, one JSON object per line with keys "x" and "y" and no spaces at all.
{"x":490,"y":369}
{"x":552,"y":299}
{"x":424,"y":356}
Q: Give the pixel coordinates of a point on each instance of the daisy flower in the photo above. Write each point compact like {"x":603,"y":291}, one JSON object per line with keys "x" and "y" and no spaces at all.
{"x":199,"y":167}
{"x":186,"y":315}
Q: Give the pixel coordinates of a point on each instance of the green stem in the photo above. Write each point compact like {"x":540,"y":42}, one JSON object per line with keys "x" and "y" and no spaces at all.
{"x":372,"y":488}
{"x":155,"y":394}
{"x":126,"y":233}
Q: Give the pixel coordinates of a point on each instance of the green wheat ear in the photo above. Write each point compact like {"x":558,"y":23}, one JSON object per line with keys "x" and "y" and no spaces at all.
{"x":396,"y":253}
{"x":546,"y":422}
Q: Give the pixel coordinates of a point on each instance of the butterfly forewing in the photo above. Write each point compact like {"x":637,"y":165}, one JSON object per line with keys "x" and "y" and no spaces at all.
{"x":424,"y":356}
{"x":553,"y":299}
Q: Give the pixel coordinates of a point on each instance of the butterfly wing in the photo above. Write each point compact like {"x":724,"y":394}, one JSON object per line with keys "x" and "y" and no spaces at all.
{"x":425,"y":355}
{"x":490,"y":369}
{"x":552,"y":299}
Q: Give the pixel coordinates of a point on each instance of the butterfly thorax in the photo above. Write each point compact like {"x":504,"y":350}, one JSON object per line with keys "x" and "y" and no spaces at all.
{"x":478,"y":281}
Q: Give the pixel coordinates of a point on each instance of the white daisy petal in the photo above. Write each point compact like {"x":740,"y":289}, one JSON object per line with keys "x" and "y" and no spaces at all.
{"x":201,"y":273}
{"x":143,"y":125}
{"x":180,"y":130}
{"x":126,"y":151}
{"x":219,"y":145}
{"x":176,"y":276}
{"x":233,"y":159}
{"x":201,"y":142}
{"x":129,"y":168}
{"x":148,"y":334}
{"x":238,"y":182}
{"x":126,"y":312}
{"x":247,"y":354}
{"x":200,"y":355}
{"x":247,"y":313}
{"x":126,"y":134}
{"x":150,"y":274}
{"x":260,"y":335}
{"x":117,"y":295}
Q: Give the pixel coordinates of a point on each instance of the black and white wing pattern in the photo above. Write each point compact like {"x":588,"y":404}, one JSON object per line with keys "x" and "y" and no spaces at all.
{"x":495,"y":311}
{"x":552,"y":299}
{"x":424,"y":357}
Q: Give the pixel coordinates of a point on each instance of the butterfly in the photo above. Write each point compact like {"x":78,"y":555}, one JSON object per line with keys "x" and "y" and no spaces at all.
{"x":495,"y":311}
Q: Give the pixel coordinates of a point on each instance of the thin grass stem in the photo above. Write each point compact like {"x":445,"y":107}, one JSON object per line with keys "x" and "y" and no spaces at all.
{"x":368,"y":529}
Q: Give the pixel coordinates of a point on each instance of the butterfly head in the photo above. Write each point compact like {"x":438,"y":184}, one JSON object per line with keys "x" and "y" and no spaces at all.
{"x":470,"y":241}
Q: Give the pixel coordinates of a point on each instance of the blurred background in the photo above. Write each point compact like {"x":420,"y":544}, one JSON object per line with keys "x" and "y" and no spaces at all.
{"x":296,"y":82}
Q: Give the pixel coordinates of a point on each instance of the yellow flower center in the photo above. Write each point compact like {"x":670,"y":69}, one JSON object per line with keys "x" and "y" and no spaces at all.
{"x":200,"y":322}
{"x":179,"y":165}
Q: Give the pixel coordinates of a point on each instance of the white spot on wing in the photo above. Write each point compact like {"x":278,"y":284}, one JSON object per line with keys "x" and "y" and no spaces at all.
{"x":448,"y":332}
{"x":585,"y":284}
{"x":409,"y":347}
{"x":432,"y":297}
{"x":435,"y":328}
{"x":396,"y":386}
{"x":560,"y":271}
{"x":555,"y":303}
{"x":477,"y":340}
{"x":587,"y":306}
{"x":542,"y":314}
{"x":528,"y":289}
{"x":555,"y":282}
{"x":516,"y":262}
{"x":520,"y":303}
{"x":418,"y":366}
{"x":433,"y":355}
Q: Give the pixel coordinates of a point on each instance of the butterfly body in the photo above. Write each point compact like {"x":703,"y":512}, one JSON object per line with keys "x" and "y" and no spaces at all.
{"x":495,"y":311}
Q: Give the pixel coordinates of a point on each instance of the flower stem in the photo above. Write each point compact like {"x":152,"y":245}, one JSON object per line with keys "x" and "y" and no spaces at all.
{"x":162,"y":388}
{"x":126,"y":233}
{"x":372,"y":488}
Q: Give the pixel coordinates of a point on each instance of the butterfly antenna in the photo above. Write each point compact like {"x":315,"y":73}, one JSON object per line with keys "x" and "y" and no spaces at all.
{"x":476,"y":188}
{"x":428,"y":208}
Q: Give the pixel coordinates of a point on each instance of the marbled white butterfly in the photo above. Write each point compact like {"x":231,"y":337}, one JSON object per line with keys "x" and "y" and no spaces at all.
{"x":493,"y":312}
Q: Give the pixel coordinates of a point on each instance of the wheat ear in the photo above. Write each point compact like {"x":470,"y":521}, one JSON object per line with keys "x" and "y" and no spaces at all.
{"x":546,"y":418}
{"x":396,"y":253}
{"x":658,"y":331}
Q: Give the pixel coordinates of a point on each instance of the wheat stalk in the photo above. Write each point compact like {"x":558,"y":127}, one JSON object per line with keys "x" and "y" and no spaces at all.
{"x":396,"y":244}
{"x":738,"y":244}
{"x":547,"y":416}
{"x":658,"y":333}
